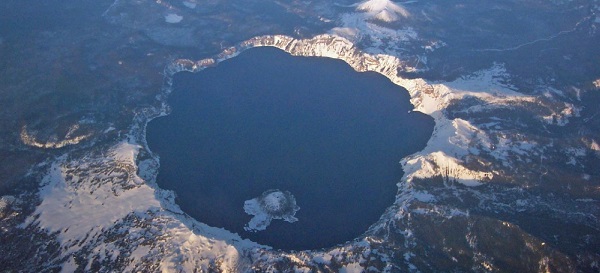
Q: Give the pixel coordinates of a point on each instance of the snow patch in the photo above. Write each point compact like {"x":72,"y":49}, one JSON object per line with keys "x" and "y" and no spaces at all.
{"x":352,"y":268}
{"x":189,"y":4}
{"x":69,"y":139}
{"x":424,"y":196}
{"x":173,"y":18}
{"x":69,"y":266}
{"x":562,"y":118}
{"x":323,"y":258}
{"x":439,"y":163}
{"x":594,"y":146}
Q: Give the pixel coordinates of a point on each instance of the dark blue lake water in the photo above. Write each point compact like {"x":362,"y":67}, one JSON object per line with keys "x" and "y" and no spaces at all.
{"x":314,"y":127}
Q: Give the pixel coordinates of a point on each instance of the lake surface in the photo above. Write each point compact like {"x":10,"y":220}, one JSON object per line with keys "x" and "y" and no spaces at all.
{"x":265,"y":120}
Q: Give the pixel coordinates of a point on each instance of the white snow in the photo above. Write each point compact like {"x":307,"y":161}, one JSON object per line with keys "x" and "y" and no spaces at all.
{"x":450,"y":141}
{"x":190,"y":4}
{"x":126,"y":152}
{"x":109,"y":129}
{"x":261,"y":219}
{"x":351,"y":34}
{"x":173,"y":18}
{"x":68,"y":206}
{"x":437,"y":163}
{"x":322,"y":258}
{"x":586,"y":176}
{"x":466,"y":136}
{"x":597,"y":83}
{"x":69,"y":139}
{"x":594,"y":146}
{"x":69,"y":266}
{"x":562,"y":118}
{"x":352,"y":268}
{"x":424,"y":196}
{"x":383,"y":10}
{"x":274,"y":200}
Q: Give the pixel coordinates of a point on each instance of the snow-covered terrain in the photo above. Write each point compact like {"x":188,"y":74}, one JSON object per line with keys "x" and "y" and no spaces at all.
{"x":103,"y":211}
{"x":88,"y":200}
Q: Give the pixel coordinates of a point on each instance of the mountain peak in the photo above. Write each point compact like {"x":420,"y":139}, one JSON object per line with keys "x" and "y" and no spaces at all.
{"x":384,"y":10}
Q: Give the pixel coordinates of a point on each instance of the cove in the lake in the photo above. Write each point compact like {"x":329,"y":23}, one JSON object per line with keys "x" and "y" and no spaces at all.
{"x":313,"y":127}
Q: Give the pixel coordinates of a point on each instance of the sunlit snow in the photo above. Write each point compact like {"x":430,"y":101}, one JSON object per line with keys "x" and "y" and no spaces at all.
{"x":173,"y":18}
{"x":190,"y":5}
{"x":384,"y":10}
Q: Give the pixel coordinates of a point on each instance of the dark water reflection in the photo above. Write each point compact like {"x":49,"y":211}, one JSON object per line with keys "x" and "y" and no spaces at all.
{"x":264,"y":120}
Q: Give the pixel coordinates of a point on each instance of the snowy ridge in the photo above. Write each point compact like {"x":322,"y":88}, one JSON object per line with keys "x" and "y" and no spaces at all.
{"x":384,"y":10}
{"x":30,"y":140}
{"x":89,"y":201}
